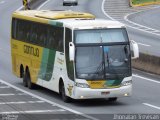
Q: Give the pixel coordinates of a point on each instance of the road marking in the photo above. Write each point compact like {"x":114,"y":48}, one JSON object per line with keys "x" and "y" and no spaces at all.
{"x":32,"y":111}
{"x":102,"y":8}
{"x":21,"y":102}
{"x":153,"y":106}
{"x":4,"y":87}
{"x":48,"y":101}
{"x":147,"y":28}
{"x":11,"y":94}
{"x":20,"y":8}
{"x":43,"y":5}
{"x":147,"y":79}
{"x":21,"y":94}
{"x":6,"y":94}
{"x":144,"y":44}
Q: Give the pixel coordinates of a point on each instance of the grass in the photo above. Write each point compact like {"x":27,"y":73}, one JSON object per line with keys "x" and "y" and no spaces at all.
{"x":143,"y":1}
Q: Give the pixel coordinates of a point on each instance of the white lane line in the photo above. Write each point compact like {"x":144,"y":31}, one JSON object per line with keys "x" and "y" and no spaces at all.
{"x":20,"y":102}
{"x":144,"y":44}
{"x":11,"y":94}
{"x":32,"y":111}
{"x":6,"y":94}
{"x":1,"y":87}
{"x":153,"y":106}
{"x":19,"y":8}
{"x":102,"y":8}
{"x":147,"y":28}
{"x":126,"y":18}
{"x":35,"y":102}
{"x":21,"y":94}
{"x":43,"y":5}
{"x":48,"y":101}
{"x":147,"y":79}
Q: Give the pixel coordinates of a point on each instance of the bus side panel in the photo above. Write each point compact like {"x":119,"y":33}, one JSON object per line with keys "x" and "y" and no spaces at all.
{"x":27,"y":55}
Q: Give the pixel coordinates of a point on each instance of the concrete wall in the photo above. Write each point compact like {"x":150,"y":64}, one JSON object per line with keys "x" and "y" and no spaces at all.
{"x":148,"y":63}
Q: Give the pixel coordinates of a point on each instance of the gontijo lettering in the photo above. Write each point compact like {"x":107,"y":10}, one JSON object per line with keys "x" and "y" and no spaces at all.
{"x":31,"y":50}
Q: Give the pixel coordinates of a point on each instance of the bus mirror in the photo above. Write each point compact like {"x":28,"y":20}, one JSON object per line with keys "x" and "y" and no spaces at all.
{"x":135,"y":49}
{"x":71,"y":51}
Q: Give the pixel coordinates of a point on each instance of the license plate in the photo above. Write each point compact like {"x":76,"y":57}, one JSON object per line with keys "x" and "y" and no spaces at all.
{"x":105,"y":93}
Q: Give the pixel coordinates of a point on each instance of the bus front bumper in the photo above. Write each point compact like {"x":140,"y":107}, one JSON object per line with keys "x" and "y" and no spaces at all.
{"x":87,"y":93}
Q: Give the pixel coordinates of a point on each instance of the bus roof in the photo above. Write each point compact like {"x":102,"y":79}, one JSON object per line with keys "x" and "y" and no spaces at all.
{"x":71,"y":19}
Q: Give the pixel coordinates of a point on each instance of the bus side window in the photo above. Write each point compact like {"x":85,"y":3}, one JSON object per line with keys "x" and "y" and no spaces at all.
{"x":41,"y":35}
{"x":14,"y":22}
{"x":33,"y":37}
{"x":27,"y":31}
{"x":51,"y":38}
{"x":59,"y":38}
{"x":19,"y":30}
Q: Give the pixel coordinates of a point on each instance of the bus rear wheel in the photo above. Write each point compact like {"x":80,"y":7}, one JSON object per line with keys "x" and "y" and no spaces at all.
{"x":24,"y":80}
{"x":63,"y":94}
{"x":27,"y":80}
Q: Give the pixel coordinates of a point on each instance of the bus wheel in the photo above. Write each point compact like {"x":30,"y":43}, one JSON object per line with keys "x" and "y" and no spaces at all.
{"x":29,"y":82}
{"x":25,"y":80}
{"x":63,"y":94}
{"x":113,"y":99}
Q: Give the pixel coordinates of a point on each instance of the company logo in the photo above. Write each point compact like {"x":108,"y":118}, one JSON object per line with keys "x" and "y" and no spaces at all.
{"x":96,"y":82}
{"x":31,"y":50}
{"x":70,"y":89}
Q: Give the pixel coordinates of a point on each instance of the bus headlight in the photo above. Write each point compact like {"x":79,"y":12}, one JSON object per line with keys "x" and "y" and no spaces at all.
{"x":126,"y":83}
{"x":82,"y":85}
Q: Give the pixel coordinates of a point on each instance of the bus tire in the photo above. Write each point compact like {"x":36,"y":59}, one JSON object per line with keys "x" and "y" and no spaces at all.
{"x":29,"y":82}
{"x":63,"y":93}
{"x":25,"y":80}
{"x":114,"y":99}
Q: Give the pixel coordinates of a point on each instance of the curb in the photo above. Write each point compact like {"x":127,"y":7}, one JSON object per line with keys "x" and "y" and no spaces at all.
{"x":147,"y":63}
{"x":143,"y":4}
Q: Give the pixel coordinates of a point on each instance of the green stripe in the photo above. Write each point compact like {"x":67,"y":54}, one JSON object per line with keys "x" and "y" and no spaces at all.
{"x":113,"y":82}
{"x":47,"y":64}
{"x":49,"y":70}
{"x":55,"y":23}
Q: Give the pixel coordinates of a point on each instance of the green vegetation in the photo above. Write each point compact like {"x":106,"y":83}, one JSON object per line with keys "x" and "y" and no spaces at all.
{"x":143,"y":1}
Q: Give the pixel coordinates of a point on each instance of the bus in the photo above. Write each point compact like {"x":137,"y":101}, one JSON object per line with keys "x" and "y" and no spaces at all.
{"x":72,"y":53}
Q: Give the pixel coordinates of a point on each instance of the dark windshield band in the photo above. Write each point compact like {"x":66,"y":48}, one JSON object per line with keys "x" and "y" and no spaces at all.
{"x":101,"y":44}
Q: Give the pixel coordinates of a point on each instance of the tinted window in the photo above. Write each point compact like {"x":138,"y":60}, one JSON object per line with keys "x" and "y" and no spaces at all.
{"x":39,"y":34}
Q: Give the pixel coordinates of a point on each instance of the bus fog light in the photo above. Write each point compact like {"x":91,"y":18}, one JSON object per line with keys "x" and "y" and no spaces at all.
{"x":81,"y":97}
{"x":126,"y":94}
{"x":126,"y":83}
{"x":82,"y":85}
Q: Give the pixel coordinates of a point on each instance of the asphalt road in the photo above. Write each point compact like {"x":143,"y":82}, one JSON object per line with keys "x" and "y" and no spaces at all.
{"x":145,"y":98}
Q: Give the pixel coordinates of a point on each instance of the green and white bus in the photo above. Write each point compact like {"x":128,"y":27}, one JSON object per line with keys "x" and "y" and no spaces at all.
{"x":72,"y":53}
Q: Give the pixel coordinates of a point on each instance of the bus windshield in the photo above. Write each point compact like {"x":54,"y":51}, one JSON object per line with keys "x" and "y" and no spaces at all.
{"x":101,"y":36}
{"x":100,"y":61}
